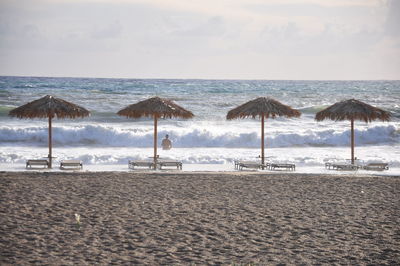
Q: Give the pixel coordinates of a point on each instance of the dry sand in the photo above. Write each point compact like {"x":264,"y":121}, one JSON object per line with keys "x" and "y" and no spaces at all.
{"x":194,"y":218}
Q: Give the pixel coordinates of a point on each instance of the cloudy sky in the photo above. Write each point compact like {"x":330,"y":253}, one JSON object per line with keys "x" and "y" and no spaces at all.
{"x":211,"y":39}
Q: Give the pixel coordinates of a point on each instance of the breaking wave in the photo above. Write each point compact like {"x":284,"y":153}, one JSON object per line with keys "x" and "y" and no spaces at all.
{"x":105,"y":136}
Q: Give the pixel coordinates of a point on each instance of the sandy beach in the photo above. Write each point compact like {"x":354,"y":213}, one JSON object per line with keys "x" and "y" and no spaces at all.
{"x":195,"y":218}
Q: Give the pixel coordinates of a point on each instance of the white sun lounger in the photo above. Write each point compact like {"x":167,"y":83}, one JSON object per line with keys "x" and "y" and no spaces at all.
{"x":343,"y":167}
{"x":71,"y":165}
{"x":31,"y":163}
{"x":248,"y":164}
{"x":165,"y":163}
{"x":147,"y":164}
{"x":376,"y":166}
{"x":286,"y":166}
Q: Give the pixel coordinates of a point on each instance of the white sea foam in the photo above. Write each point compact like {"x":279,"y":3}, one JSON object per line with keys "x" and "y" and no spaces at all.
{"x":107,"y":136}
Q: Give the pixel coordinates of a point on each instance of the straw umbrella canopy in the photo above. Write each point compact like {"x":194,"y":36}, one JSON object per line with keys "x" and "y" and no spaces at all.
{"x":263,"y":107}
{"x":352,"y":110}
{"x":156,"y":108}
{"x":49,"y":107}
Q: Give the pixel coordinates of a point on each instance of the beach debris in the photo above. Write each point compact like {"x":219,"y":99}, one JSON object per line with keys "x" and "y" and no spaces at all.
{"x":78,"y":219}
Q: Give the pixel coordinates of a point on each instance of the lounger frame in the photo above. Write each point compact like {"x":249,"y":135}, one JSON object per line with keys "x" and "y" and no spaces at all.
{"x":31,"y":163}
{"x":166,"y":163}
{"x":341,"y":167}
{"x":239,"y":165}
{"x":147,"y":164}
{"x":71,"y":165}
{"x":286,"y":166}
{"x":376,"y":166}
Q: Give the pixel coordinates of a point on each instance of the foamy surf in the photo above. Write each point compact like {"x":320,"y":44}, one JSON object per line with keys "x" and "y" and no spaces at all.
{"x":142,"y":137}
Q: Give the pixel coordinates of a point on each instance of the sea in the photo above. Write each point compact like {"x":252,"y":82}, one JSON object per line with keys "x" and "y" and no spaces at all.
{"x":208,"y":141}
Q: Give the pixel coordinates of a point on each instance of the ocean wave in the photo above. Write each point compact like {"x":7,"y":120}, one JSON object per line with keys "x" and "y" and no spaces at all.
{"x":4,"y":109}
{"x":97,"y":135}
{"x":312,"y":109}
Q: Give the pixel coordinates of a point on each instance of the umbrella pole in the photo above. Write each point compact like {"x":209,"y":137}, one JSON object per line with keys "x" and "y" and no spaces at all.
{"x":352,"y":141}
{"x":262,"y":140}
{"x":155,"y":142}
{"x":50,"y":144}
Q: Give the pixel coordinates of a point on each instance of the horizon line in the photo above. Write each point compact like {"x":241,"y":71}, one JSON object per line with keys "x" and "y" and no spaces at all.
{"x":228,"y":79}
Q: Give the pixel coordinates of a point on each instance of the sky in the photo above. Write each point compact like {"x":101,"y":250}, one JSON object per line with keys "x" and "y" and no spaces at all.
{"x":201,"y":39}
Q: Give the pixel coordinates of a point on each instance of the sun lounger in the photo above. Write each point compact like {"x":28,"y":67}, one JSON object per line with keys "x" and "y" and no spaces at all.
{"x":286,"y":166}
{"x":248,"y":164}
{"x":236,"y":162}
{"x":344,"y":167}
{"x":31,"y":163}
{"x":71,"y":165}
{"x":376,"y":166}
{"x":133,"y":164}
{"x":165,"y":163}
{"x":329,"y":166}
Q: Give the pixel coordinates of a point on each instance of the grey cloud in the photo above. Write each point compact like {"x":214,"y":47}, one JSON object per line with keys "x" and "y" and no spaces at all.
{"x":21,"y":36}
{"x":183,"y":35}
{"x":212,"y":27}
{"x":5,"y":28}
{"x":110,"y":31}
{"x":307,"y":9}
{"x":289,"y":40}
{"x":31,"y":31}
{"x":122,"y":38}
{"x":392,"y":25}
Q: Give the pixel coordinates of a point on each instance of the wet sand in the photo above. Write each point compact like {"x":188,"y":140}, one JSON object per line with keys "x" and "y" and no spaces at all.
{"x":195,"y":218}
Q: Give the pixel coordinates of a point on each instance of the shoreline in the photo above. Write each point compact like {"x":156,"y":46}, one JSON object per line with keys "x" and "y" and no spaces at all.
{"x":173,"y":172}
{"x":196,"y":169}
{"x":198,"y":218}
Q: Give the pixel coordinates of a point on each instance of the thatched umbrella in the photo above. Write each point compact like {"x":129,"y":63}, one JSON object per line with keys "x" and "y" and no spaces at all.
{"x":263,"y":107}
{"x":49,"y":107}
{"x":157,"y":108}
{"x":352,"y":110}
